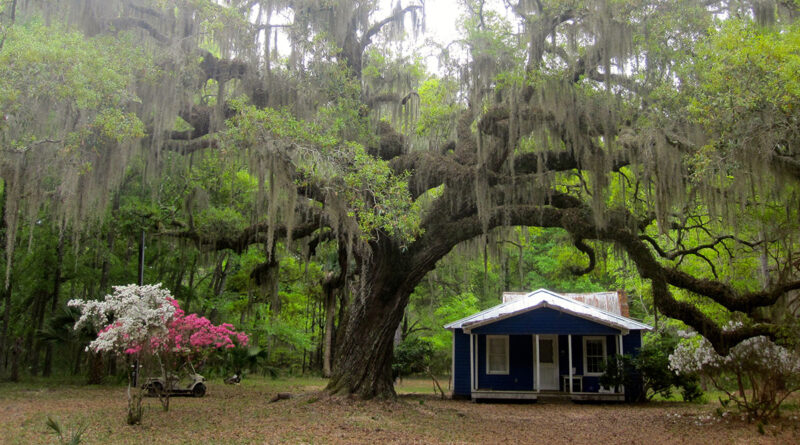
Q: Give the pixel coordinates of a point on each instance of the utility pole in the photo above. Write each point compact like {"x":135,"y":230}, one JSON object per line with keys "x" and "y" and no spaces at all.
{"x":135,"y":377}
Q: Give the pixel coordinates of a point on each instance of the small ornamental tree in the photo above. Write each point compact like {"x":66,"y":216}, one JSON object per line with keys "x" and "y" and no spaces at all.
{"x":147,"y":324}
{"x":757,"y":375}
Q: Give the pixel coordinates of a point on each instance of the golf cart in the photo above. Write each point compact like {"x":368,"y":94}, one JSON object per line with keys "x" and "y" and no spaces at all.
{"x":189,"y":385}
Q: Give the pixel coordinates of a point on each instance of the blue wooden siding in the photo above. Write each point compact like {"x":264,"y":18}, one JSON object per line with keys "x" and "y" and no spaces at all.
{"x":545,"y":321}
{"x":631,"y":343}
{"x":520,"y":363}
{"x":630,"y":346}
{"x":461,"y":384}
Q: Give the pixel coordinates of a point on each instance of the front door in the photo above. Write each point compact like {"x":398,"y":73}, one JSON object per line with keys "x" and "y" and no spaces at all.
{"x":548,"y":362}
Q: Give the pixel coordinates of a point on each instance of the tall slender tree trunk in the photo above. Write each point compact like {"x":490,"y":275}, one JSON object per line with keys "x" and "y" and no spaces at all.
{"x":48,"y":356}
{"x":15,"y":353}
{"x":4,"y":343}
{"x":96,"y":368}
{"x":192,"y":271}
{"x":33,"y":344}
{"x":332,"y":284}
{"x":330,"y":326}
{"x":5,"y":296}
{"x":105,"y":271}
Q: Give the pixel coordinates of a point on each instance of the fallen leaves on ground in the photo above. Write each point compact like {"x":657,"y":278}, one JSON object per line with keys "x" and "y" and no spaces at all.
{"x":242,"y":414}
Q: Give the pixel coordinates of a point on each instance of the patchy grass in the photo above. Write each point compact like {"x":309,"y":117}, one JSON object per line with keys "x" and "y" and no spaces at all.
{"x":418,"y":385}
{"x":242,"y":414}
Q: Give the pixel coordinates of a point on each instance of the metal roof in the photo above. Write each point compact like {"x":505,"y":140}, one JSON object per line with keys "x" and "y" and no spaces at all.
{"x":545,"y":298}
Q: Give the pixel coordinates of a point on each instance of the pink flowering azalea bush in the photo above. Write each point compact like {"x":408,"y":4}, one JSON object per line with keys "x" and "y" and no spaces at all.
{"x":193,"y":335}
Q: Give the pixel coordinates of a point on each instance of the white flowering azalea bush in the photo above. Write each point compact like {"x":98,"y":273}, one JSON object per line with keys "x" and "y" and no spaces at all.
{"x":757,"y":375}
{"x":128,"y":319}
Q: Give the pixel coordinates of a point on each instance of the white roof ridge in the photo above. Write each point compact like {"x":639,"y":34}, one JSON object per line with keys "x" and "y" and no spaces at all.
{"x":497,"y":307}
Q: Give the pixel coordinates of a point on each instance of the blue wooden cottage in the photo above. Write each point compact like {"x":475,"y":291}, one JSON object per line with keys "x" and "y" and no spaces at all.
{"x":537,"y":343}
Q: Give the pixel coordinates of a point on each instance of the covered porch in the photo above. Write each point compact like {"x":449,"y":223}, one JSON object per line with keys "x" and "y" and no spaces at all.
{"x":541,"y":366}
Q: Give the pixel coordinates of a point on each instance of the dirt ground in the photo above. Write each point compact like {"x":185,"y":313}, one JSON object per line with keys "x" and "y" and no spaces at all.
{"x":242,"y":415}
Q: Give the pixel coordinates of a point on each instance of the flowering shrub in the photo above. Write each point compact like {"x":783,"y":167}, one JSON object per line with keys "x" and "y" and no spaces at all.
{"x":146,"y":322}
{"x":136,"y":317}
{"x":757,"y":375}
{"x":192,"y":334}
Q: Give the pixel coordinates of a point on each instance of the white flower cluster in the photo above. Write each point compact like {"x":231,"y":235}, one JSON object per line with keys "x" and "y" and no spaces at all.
{"x":128,"y":319}
{"x":757,"y":353}
{"x":692,"y":356}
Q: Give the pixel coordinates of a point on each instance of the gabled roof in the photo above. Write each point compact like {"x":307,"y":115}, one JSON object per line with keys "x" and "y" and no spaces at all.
{"x":545,"y":298}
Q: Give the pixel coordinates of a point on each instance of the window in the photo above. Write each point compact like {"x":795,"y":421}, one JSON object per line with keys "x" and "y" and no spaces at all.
{"x":497,"y":354}
{"x":546,"y":351}
{"x":594,"y":355}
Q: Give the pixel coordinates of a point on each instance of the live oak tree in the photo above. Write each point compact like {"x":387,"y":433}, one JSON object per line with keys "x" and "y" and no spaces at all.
{"x":643,"y":124}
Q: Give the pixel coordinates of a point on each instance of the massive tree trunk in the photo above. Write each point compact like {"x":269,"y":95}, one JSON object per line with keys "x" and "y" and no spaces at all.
{"x":365,"y":342}
{"x":365,"y":347}
{"x":363,"y":367}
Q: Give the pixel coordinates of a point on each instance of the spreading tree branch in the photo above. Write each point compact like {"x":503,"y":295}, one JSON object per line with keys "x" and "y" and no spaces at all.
{"x":581,"y":245}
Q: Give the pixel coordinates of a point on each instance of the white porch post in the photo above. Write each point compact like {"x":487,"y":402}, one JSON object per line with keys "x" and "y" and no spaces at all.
{"x":536,"y":357}
{"x":619,"y":351}
{"x":452,"y":382}
{"x":569,"y":354}
{"x":472,"y":361}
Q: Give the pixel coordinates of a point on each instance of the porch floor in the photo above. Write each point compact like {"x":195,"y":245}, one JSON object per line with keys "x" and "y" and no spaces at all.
{"x":487,"y":394}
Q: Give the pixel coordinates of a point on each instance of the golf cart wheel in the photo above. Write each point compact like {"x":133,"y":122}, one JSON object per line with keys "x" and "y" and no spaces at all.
{"x":155,"y":388}
{"x":199,"y":390}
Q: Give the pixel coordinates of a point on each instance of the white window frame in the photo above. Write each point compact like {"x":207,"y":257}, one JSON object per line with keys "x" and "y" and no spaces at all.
{"x":506,"y":368}
{"x":586,"y":339}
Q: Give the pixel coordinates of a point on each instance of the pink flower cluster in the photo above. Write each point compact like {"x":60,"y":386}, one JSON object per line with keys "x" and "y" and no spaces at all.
{"x":193,"y":333}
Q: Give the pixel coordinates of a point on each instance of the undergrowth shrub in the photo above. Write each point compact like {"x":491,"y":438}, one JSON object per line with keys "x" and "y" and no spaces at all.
{"x":651,"y":369}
